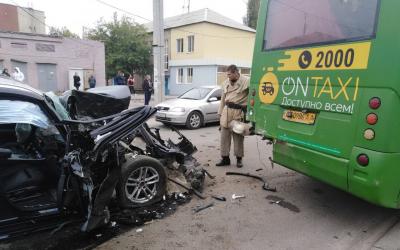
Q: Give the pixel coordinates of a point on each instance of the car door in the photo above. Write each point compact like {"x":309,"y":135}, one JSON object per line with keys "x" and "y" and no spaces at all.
{"x":212,"y":106}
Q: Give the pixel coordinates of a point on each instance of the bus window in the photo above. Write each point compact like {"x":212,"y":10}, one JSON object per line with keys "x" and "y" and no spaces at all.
{"x":296,"y":23}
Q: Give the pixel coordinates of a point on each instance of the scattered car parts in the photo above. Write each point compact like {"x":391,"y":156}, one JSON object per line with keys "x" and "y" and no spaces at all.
{"x":265,"y":184}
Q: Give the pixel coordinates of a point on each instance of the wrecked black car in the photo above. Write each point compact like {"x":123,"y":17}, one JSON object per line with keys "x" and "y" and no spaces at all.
{"x":54,"y":166}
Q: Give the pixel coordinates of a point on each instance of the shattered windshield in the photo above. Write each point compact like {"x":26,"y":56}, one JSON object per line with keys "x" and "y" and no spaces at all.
{"x":12,"y":112}
{"x":58,"y":107}
{"x":196,"y":94}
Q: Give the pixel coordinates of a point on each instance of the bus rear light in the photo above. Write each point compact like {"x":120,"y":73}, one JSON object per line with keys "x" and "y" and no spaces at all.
{"x":375,"y":103}
{"x":363,"y":160}
{"x":253,"y":93}
{"x":372,"y":119}
{"x":369,"y":134}
{"x":252,"y":102}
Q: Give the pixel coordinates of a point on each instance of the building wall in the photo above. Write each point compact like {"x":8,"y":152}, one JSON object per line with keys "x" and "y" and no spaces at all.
{"x":34,"y":22}
{"x":67,"y":54}
{"x":8,"y":17}
{"x":213,"y":41}
{"x":202,"y":76}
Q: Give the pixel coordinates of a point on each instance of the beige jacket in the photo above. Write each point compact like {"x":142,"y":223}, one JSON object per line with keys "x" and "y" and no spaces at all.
{"x":236,"y":93}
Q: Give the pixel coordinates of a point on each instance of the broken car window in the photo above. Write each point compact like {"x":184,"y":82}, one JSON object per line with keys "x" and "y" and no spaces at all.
{"x":12,"y":112}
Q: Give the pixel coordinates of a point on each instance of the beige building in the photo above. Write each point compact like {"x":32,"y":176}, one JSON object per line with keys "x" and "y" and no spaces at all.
{"x":200,"y":45}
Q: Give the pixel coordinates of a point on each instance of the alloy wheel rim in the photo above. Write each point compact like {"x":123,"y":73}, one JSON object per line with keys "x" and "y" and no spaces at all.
{"x":195,"y":120}
{"x":141,"y":185}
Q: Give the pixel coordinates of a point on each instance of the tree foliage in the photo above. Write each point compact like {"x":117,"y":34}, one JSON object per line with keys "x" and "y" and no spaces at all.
{"x":252,"y":13}
{"x":127,"y":45}
{"x":63,"y":31}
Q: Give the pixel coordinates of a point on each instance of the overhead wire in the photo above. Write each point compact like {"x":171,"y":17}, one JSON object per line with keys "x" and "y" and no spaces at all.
{"x":48,"y":26}
{"x":167,"y":27}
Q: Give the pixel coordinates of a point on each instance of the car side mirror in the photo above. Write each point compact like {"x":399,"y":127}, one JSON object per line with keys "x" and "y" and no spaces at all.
{"x":213,"y":99}
{"x":5,"y":153}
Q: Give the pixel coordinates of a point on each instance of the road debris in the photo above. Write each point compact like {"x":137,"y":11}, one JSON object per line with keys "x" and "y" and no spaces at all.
{"x":219,"y":198}
{"x":265,"y":184}
{"x":235,"y":197}
{"x":192,"y":190}
{"x":275,"y":200}
{"x":201,"y":208}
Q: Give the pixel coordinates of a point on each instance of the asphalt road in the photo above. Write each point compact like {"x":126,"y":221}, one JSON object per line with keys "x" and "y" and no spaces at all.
{"x":308,"y":215}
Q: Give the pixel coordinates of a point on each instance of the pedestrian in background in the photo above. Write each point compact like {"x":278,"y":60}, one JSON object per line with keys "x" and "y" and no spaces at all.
{"x":92,"y":82}
{"x":18,"y":75}
{"x":131,"y":84}
{"x":147,"y":89}
{"x":233,"y":104}
{"x":5,"y":72}
{"x":119,"y":78}
{"x":77,"y":81}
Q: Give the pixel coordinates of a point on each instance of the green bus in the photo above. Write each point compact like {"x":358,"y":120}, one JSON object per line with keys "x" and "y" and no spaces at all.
{"x":325,"y":81}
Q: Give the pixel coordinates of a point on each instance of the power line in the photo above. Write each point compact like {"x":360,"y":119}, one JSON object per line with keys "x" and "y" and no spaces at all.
{"x":166,"y":27}
{"x":50,"y":27}
{"x":122,"y":10}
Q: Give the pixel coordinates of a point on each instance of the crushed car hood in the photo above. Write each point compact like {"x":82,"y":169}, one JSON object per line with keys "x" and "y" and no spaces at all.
{"x":97,"y":102}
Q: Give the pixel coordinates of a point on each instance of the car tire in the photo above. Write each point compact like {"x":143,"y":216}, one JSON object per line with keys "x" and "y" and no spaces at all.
{"x":133,"y":191}
{"x":194,"y":120}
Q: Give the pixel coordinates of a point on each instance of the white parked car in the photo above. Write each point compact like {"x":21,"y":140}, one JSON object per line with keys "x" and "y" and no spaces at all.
{"x":193,"y":109}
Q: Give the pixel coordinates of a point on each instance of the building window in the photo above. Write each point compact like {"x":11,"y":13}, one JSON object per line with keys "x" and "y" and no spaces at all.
{"x":190,"y":43}
{"x":189,"y":75}
{"x":245,"y":71}
{"x":179,"y":45}
{"x":180,"y":75}
{"x":166,"y":57}
{"x":222,"y":69}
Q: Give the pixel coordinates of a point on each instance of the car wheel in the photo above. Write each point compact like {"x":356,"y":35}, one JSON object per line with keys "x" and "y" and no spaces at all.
{"x":142,"y":182}
{"x":194,"y":120}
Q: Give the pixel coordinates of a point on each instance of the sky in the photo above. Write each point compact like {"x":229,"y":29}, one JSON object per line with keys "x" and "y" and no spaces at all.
{"x":75,"y":14}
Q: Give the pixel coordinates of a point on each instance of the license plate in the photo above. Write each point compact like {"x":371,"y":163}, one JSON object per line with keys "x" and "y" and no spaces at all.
{"x":161,"y":115}
{"x":298,"y":116}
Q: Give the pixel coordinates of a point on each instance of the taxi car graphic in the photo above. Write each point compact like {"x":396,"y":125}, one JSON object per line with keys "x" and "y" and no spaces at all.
{"x":267,"y":88}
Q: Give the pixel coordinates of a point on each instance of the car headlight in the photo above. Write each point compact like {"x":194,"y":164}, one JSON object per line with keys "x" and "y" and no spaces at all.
{"x":178,"y":110}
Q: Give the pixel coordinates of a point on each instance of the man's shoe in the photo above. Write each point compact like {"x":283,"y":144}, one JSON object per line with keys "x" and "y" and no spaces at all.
{"x":225,"y":161}
{"x":239,"y":162}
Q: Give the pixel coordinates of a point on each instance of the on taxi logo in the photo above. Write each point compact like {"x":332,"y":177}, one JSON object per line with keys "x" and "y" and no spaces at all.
{"x":269,"y":87}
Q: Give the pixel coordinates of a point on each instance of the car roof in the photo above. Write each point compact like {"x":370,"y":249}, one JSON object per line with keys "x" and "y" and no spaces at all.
{"x":208,"y":87}
{"x":9,"y":86}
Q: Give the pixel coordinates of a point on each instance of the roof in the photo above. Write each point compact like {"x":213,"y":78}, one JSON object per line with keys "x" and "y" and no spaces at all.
{"x":199,"y":16}
{"x":9,"y":87}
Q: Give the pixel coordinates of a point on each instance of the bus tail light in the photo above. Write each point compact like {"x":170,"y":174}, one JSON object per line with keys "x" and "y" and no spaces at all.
{"x":369,"y":134}
{"x":252,"y":102}
{"x":374,"y":103}
{"x":363,"y":160}
{"x":372,"y":119}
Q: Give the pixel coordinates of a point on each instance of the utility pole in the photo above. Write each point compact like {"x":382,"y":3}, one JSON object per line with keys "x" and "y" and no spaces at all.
{"x":188,"y":8}
{"x":158,"y":50}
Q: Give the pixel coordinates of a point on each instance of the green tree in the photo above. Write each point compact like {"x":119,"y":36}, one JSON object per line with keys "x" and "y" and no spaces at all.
{"x":63,"y":31}
{"x":252,"y":13}
{"x":127,"y":45}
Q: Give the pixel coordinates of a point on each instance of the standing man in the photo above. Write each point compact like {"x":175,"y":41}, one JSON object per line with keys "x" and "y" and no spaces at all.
{"x":232,"y":108}
{"x":77,"y":81}
{"x":119,"y":79}
{"x":147,"y":89}
{"x":92,"y":82}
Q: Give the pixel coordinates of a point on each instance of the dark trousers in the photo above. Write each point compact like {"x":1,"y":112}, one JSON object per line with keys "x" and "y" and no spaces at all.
{"x":132,"y":89}
{"x":147,"y":97}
